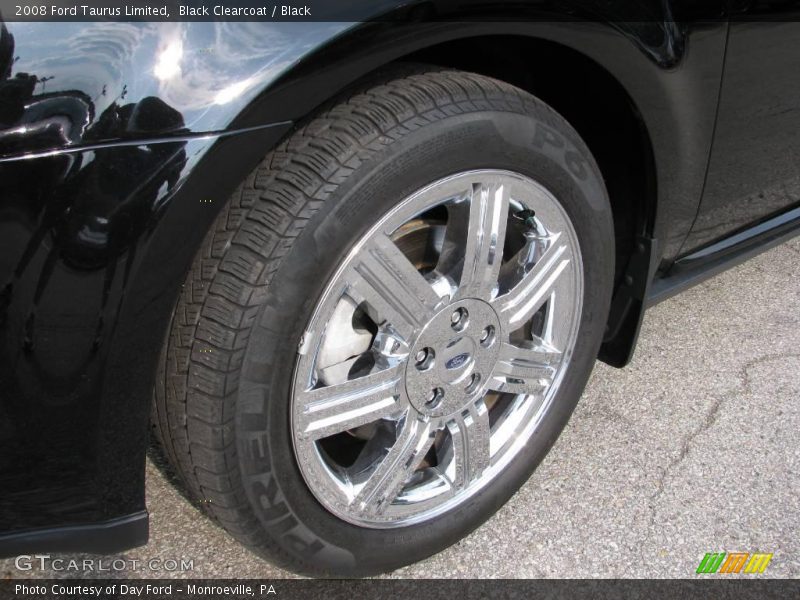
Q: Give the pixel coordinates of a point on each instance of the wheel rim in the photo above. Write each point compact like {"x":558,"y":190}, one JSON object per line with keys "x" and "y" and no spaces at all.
{"x":436,"y":349}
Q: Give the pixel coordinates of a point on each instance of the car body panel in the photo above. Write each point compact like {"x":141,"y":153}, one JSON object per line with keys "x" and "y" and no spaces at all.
{"x":77,"y":84}
{"x":753,"y":172}
{"x":101,"y":244}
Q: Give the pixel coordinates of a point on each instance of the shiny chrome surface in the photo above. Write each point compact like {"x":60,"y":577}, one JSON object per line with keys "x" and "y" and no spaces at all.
{"x":437,"y":348}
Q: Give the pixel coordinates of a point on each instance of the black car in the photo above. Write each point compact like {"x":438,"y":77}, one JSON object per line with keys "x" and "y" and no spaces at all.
{"x":353,"y":276}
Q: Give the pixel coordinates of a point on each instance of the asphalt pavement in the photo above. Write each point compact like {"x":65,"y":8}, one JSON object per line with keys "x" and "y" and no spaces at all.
{"x":693,"y":448}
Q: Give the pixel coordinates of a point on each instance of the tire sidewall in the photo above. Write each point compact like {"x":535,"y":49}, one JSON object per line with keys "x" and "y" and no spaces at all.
{"x":540,"y":146}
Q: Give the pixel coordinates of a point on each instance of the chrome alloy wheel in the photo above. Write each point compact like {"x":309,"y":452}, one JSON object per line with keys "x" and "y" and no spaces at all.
{"x":436,"y":349}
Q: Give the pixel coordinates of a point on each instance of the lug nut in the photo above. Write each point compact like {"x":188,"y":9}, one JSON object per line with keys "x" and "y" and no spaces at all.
{"x":423,"y":359}
{"x":487,"y":336}
{"x":434,"y":397}
{"x":474,"y":380}
{"x":459,"y":319}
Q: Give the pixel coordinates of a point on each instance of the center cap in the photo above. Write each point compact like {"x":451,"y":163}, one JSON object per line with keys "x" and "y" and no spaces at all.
{"x":453,"y":357}
{"x":458,"y":359}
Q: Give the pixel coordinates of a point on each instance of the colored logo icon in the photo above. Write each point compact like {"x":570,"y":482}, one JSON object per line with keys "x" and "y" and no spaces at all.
{"x":734,"y":562}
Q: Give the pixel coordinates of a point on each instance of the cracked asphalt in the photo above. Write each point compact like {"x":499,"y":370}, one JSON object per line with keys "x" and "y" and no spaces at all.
{"x":692,"y":448}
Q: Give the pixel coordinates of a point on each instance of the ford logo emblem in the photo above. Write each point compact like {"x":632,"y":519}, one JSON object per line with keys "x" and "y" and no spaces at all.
{"x":457,"y":361}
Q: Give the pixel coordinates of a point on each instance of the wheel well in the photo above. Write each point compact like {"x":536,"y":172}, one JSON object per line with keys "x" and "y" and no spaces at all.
{"x":590,"y":99}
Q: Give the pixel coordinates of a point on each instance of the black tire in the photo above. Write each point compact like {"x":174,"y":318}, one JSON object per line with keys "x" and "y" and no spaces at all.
{"x":222,"y":397}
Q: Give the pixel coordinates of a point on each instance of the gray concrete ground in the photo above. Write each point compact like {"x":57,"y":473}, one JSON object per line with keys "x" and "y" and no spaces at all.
{"x":693,"y":448}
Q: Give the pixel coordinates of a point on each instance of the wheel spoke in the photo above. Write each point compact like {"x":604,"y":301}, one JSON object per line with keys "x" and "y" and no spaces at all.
{"x":525,"y":370}
{"x":387,"y":479}
{"x":526,"y":297}
{"x":343,"y":406}
{"x":394,"y":291}
{"x":483,"y":252}
{"x":469,"y":432}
